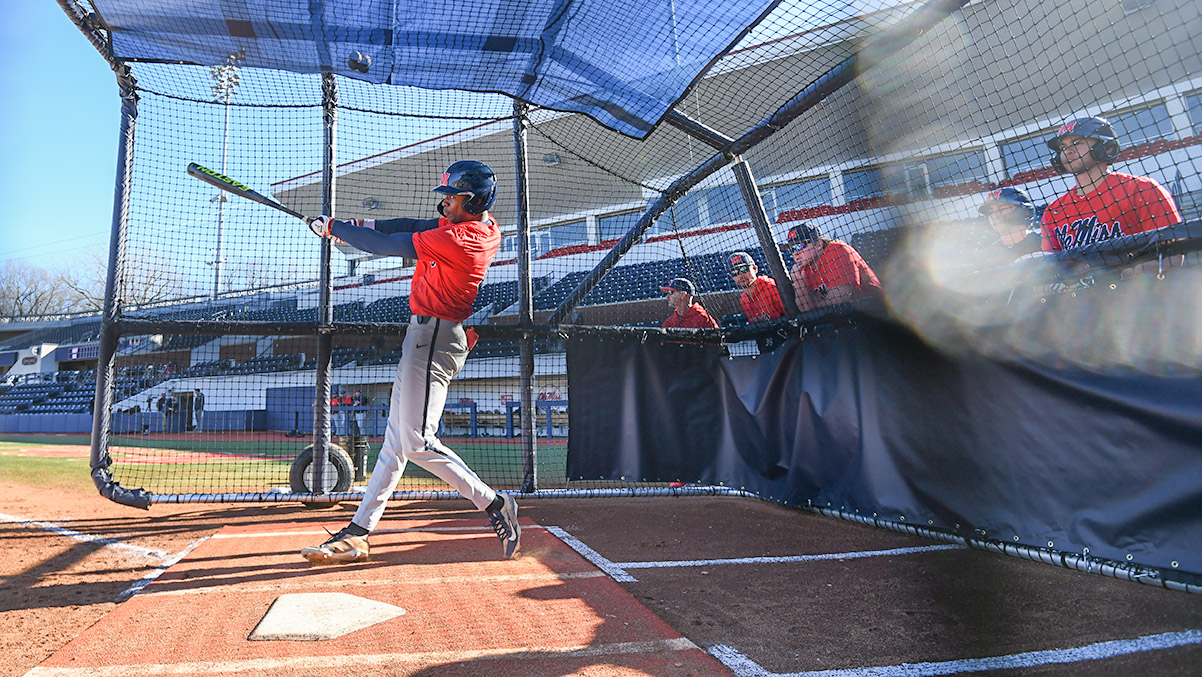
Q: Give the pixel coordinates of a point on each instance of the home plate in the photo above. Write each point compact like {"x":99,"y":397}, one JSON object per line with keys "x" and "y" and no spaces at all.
{"x":311,"y":616}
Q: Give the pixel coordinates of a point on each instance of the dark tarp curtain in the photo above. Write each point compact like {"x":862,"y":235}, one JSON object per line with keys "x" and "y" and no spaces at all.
{"x":875,"y":420}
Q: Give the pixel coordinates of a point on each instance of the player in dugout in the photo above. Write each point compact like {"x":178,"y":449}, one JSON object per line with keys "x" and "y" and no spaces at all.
{"x":453,"y":253}
{"x":686,"y":313}
{"x":760,"y":299}
{"x":826,"y":271}
{"x":1015,"y":218}
{"x":1104,"y":204}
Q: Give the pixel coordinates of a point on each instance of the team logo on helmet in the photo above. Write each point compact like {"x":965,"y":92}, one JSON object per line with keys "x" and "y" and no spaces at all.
{"x":472,"y":178}
{"x":1097,"y":128}
{"x":1009,"y":196}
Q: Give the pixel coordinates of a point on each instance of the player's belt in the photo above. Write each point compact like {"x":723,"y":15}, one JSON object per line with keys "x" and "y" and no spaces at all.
{"x":424,"y":319}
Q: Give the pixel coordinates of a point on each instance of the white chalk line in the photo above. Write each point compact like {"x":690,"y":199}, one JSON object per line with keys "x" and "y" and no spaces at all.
{"x":88,"y":538}
{"x":619,"y":570}
{"x":484,"y":528}
{"x":613,"y":570}
{"x":158,"y":571}
{"x":742,"y":666}
{"x":786,"y":559}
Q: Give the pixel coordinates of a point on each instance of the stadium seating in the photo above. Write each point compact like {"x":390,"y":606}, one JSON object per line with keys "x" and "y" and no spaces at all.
{"x":208,"y":368}
{"x":268,"y":363}
{"x":391,"y":309}
{"x":22,"y":396}
{"x":340,"y":357}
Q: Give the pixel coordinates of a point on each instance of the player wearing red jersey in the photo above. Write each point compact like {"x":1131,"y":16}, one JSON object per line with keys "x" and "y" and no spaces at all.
{"x":1104,"y":204}
{"x":453,"y":253}
{"x":760,"y":299}
{"x":685,"y":313}
{"x":826,"y":272}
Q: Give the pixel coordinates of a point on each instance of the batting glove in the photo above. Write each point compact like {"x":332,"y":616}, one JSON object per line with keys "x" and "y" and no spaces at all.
{"x":321,"y":226}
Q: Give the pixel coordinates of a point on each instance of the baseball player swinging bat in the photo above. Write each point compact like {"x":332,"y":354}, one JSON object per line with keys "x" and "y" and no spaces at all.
{"x":231,"y":186}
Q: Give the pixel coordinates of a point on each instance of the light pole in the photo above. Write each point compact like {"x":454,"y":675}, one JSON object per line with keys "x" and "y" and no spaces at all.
{"x":225,"y":81}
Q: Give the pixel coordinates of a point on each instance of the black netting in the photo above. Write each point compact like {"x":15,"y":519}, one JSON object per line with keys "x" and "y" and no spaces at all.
{"x":914,"y":115}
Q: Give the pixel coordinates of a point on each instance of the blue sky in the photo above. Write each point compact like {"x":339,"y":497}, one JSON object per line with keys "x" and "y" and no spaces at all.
{"x":60,"y":115}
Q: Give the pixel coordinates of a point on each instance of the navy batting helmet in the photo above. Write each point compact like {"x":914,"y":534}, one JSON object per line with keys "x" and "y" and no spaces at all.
{"x":802,"y":233}
{"x":472,"y":178}
{"x":1012,"y":196}
{"x":1107,"y":150}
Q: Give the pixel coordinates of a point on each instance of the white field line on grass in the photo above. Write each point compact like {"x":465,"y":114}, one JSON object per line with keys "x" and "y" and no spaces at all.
{"x":618,"y":570}
{"x":742,"y":666}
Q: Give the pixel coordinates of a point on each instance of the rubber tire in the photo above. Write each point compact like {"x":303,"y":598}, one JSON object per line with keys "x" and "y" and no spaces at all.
{"x":299,"y":475}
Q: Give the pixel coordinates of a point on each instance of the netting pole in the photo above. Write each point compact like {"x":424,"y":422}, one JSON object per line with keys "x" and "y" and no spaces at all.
{"x":895,"y":38}
{"x":751,"y":197}
{"x":110,"y":314}
{"x":325,"y":308}
{"x":668,"y":198}
{"x":525,"y":296}
{"x":759,"y":219}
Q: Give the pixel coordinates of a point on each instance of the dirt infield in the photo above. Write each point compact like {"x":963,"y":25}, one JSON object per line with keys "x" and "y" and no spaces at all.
{"x":766,"y":589}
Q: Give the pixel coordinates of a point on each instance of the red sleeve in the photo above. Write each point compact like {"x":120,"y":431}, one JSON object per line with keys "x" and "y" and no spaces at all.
{"x":842,"y":265}
{"x":1050,"y":242}
{"x":439,"y":245}
{"x":701,"y":319}
{"x":1156,"y":206}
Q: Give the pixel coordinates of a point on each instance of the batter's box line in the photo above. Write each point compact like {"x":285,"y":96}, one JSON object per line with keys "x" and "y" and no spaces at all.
{"x":743,"y":666}
{"x":158,"y":571}
{"x":618,"y":570}
{"x":149,"y":553}
{"x":483,"y":528}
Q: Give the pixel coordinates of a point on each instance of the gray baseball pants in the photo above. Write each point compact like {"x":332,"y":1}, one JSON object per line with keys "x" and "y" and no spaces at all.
{"x":432,"y":353}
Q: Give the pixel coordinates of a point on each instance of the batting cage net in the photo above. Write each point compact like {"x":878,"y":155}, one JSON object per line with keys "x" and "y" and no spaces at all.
{"x":812,"y":169}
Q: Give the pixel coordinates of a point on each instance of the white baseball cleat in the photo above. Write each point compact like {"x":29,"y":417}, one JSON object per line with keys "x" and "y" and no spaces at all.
{"x":342,"y":547}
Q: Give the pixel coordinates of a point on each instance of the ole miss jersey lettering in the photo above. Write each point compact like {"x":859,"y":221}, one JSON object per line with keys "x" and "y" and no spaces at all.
{"x":1122,"y":205}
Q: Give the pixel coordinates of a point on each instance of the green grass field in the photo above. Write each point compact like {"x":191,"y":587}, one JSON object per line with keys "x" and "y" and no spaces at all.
{"x":60,"y":474}
{"x":211,"y":465}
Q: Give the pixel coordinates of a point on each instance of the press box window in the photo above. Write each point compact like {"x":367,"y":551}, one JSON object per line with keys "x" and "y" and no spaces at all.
{"x":1142,"y":125}
{"x":1022,"y":155}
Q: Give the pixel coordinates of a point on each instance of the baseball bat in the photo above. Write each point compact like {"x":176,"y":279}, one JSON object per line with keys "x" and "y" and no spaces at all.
{"x":231,"y":186}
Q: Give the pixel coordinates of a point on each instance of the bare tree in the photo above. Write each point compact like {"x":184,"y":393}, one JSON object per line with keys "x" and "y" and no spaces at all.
{"x":147,"y":279}
{"x":26,"y":291}
{"x":85,"y":280}
{"x":257,"y":273}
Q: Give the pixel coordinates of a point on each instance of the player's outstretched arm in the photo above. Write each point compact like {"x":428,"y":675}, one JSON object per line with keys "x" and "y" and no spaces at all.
{"x":365,"y":238}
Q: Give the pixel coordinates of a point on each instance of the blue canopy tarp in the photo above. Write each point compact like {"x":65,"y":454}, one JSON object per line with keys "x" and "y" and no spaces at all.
{"x":622,"y":62}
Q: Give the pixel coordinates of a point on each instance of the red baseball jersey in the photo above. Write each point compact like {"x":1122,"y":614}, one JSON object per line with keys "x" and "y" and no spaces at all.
{"x":1122,"y":205}
{"x":761,"y":301}
{"x":452,"y":261}
{"x":839,"y":265}
{"x":694,"y":317}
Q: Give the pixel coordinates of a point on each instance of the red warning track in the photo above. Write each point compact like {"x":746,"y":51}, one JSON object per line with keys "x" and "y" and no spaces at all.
{"x":548,"y":612}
